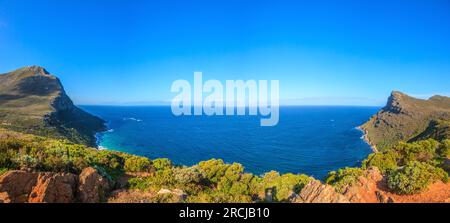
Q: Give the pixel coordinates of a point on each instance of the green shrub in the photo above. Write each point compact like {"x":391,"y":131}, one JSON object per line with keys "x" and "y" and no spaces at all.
{"x":283,"y":186}
{"x":25,"y":161}
{"x":385,"y":162}
{"x":7,"y":159}
{"x":415,"y":177}
{"x":444,"y":149}
{"x":343,"y":177}
{"x":187,"y":175}
{"x":137,"y":164}
{"x":161,"y":179}
{"x":213,"y":169}
{"x":8,"y":152}
{"x":3,"y":170}
{"x":162,"y":164}
{"x":423,"y":151}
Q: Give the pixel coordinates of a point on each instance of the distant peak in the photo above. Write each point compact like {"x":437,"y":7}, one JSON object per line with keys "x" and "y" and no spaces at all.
{"x":397,"y":94}
{"x":439,"y":97}
{"x":38,"y":70}
{"x":394,"y":103}
{"x":29,"y":71}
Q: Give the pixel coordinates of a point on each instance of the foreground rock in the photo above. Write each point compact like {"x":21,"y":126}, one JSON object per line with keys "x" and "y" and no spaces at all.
{"x":46,"y":187}
{"x":16,"y":186}
{"x":369,"y":188}
{"x":93,"y":188}
{"x":316,"y":192}
{"x":54,"y":188}
{"x":22,"y":186}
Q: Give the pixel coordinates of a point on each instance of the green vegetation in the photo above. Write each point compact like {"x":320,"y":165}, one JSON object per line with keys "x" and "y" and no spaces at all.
{"x":3,"y":170}
{"x":409,"y":167}
{"x":45,"y":154}
{"x":414,"y":177}
{"x":137,"y":164}
{"x":216,"y":181}
{"x":343,"y":178}
{"x":284,"y":185}
{"x":385,"y":161}
{"x":208,"y":181}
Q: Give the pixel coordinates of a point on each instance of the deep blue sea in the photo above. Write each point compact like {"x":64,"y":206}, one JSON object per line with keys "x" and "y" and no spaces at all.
{"x":308,"y":139}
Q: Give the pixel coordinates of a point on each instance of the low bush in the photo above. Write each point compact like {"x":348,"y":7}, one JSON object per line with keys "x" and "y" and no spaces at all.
{"x":385,"y":162}
{"x":162,"y":164}
{"x":137,"y":164}
{"x":283,"y":186}
{"x":415,"y":177}
{"x":343,"y":177}
{"x":424,"y":151}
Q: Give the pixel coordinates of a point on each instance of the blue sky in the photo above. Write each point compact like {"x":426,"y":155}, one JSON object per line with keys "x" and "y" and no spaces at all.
{"x":326,"y":52}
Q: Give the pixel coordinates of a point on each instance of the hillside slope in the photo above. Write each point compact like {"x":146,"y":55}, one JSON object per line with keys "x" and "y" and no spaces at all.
{"x":405,"y":118}
{"x":34,"y":101}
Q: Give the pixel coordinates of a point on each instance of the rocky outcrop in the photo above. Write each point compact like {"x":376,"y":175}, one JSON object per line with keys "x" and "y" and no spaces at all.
{"x":16,"y":186}
{"x":22,"y":186}
{"x":368,"y":188}
{"x":316,"y":192}
{"x":47,"y":187}
{"x":92,"y":188}
{"x":54,"y":188}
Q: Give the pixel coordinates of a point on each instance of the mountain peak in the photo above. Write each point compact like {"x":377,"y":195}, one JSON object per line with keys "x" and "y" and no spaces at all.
{"x":404,"y":117}
{"x":35,"y":70}
{"x":33,"y":94}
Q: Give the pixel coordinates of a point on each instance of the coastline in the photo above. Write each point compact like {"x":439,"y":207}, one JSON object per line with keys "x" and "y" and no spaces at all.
{"x":98,"y":138}
{"x":366,"y":139}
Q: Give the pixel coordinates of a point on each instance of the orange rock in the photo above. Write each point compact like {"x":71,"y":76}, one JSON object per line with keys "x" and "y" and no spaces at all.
{"x":92,"y":187}
{"x":316,"y":192}
{"x":15,"y":186}
{"x":54,"y":188}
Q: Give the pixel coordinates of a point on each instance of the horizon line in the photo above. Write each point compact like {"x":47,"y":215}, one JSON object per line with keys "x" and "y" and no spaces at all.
{"x":168,"y":105}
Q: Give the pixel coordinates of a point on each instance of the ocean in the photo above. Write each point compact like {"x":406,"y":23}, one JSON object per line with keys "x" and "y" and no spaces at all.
{"x":308,"y":139}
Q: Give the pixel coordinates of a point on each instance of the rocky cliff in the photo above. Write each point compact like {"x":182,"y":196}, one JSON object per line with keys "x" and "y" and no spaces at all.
{"x":405,"y":118}
{"x":34,"y":101}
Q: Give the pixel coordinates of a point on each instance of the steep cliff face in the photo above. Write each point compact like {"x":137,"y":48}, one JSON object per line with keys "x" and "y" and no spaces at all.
{"x":405,"y":118}
{"x":34,"y":101}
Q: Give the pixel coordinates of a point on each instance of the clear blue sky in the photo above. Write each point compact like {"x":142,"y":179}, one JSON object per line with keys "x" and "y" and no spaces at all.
{"x":326,"y":52}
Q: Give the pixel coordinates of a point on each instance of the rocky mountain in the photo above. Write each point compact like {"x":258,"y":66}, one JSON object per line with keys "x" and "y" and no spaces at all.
{"x":405,"y":118}
{"x":34,"y":101}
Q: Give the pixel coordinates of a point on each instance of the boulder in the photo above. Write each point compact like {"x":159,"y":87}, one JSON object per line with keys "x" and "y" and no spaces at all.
{"x":92,"y":187}
{"x":20,"y":186}
{"x":54,"y":188}
{"x":16,"y":185}
{"x":316,"y":192}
